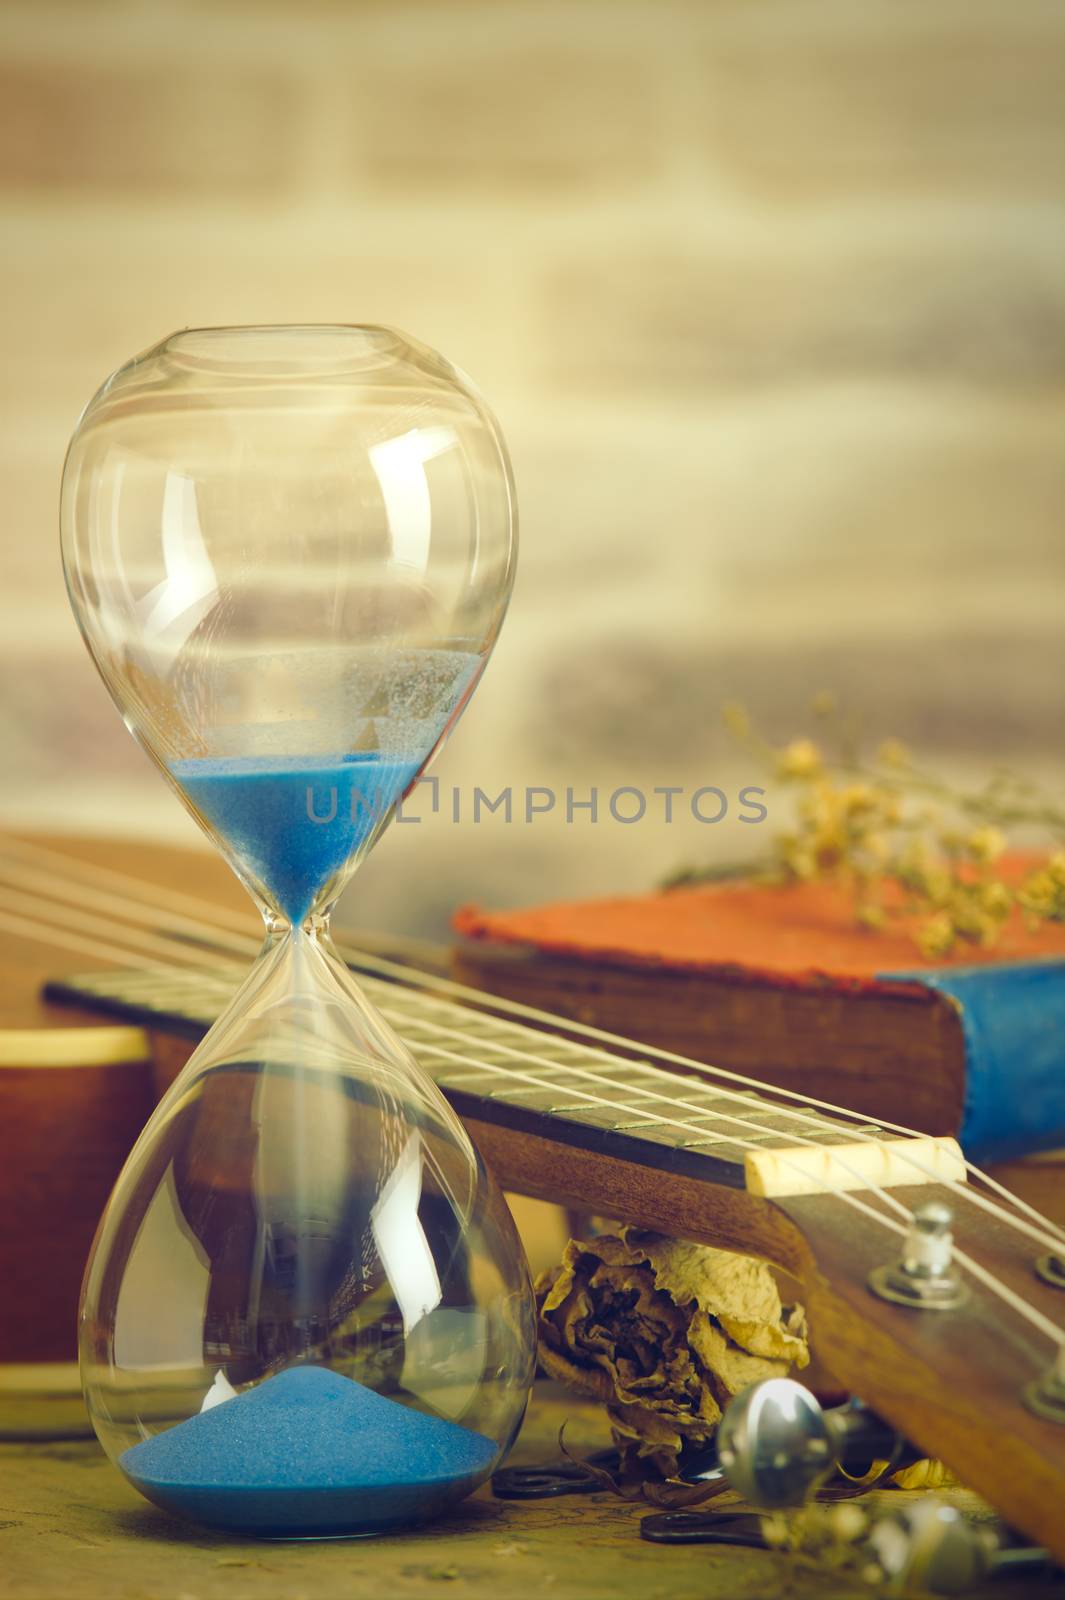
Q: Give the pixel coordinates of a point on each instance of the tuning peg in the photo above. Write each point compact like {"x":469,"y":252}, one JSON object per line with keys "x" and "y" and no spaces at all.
{"x":776,"y":1443}
{"x":930,"y":1548}
{"x":924,"y":1277}
{"x":1046,"y":1395}
{"x":1051,"y":1268}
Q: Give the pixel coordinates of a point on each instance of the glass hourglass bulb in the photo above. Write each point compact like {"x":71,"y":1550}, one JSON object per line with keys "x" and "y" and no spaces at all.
{"x":306,"y":1311}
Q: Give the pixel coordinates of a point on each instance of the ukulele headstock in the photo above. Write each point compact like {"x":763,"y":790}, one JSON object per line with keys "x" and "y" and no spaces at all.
{"x":961,"y":1376}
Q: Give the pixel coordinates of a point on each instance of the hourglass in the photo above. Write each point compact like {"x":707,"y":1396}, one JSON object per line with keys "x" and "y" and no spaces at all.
{"x":306,"y":1311}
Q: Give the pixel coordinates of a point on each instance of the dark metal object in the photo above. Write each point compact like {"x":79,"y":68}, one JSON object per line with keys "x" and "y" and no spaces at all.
{"x":559,"y":1478}
{"x":569,"y":1477}
{"x":777,"y":1445}
{"x":1046,"y":1395}
{"x":1051,"y":1268}
{"x":703,"y":1527}
{"x":925,"y":1277}
{"x":699,"y":1464}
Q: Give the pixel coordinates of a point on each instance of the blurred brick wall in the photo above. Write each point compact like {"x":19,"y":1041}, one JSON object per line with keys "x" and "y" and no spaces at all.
{"x":769,"y":299}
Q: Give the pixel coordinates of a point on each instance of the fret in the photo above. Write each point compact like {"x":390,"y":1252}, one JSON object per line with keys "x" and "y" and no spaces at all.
{"x":574,"y":1090}
{"x":490,"y":1062}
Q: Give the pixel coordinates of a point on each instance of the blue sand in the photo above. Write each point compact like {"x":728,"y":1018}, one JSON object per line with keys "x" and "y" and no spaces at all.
{"x":294,"y":821}
{"x":1013,"y":1022}
{"x":309,"y":1454}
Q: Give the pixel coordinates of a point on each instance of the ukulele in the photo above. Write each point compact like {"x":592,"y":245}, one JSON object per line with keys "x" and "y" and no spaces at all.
{"x":935,"y":1294}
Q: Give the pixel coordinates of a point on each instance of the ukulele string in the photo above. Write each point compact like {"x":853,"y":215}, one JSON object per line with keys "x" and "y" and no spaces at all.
{"x":993,"y":1284}
{"x":669,"y":1096}
{"x":205,"y":933}
{"x":203,"y":930}
{"x":987,"y":1278}
{"x":145,"y":894}
{"x":599,"y":1101}
{"x":476,"y":999}
{"x":37,"y":882}
{"x":45,"y":934}
{"x":832,"y":1152}
{"x":586,"y":1074}
{"x":172,"y":951}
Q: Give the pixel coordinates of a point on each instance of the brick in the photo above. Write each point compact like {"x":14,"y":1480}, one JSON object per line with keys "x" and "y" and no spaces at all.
{"x":827,"y":98}
{"x":61,"y":719}
{"x":979,"y":304}
{"x":850,"y":486}
{"x":63,"y":331}
{"x":533,"y":116}
{"x":899,"y":545}
{"x":641,"y":701}
{"x":29,"y":488}
{"x":154,"y":127}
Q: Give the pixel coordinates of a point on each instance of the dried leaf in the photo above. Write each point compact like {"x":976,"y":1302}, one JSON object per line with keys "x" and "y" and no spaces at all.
{"x":924,"y":1475}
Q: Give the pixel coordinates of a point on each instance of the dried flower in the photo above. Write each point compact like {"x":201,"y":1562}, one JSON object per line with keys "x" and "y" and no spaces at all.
{"x":893,"y":826}
{"x":847,"y":1521}
{"x":800,"y":759}
{"x":996,"y":900}
{"x":857,"y":798}
{"x":985,"y":844}
{"x":665,"y":1333}
{"x":877,"y":847}
{"x":936,"y":937}
{"x":893,"y":753}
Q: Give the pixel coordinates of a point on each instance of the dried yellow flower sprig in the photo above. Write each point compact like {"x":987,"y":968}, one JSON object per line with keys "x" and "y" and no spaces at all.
{"x":885,"y":827}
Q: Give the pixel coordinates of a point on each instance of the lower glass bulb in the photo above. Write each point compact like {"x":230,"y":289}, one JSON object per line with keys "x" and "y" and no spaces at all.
{"x":307,"y":1312}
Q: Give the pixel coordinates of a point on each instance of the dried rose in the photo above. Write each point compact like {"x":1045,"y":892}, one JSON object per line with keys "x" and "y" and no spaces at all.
{"x":664,"y":1333}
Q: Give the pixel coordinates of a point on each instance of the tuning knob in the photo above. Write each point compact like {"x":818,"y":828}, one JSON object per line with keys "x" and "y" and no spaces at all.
{"x":1046,"y":1395}
{"x":1051,"y":1268}
{"x":929,"y":1548}
{"x":924,"y":1277}
{"x":776,"y":1443}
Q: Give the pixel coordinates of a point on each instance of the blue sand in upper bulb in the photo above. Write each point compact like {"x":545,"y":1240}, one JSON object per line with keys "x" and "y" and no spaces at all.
{"x":294,"y":821}
{"x":309,"y":1453}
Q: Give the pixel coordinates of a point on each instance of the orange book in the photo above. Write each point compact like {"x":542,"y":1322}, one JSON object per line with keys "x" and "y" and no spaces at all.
{"x":782,"y":984}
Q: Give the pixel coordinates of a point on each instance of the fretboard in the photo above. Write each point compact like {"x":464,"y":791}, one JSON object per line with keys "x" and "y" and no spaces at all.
{"x":497,"y":1070}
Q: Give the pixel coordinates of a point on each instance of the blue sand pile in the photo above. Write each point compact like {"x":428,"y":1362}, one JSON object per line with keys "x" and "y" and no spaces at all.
{"x":308,"y":1454}
{"x":294,"y":821}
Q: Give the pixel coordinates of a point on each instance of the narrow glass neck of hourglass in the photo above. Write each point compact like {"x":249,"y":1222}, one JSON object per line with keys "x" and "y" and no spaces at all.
{"x":316,"y":925}
{"x":299,"y":1003}
{"x":302,"y":1007}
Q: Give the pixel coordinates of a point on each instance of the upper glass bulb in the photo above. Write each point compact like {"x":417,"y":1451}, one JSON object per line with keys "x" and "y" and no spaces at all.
{"x":290,"y":550}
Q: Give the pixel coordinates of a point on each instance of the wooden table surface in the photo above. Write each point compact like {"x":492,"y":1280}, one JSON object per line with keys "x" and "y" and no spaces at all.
{"x":71,"y":1528}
